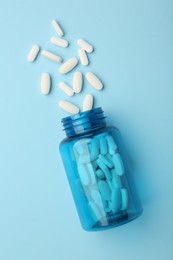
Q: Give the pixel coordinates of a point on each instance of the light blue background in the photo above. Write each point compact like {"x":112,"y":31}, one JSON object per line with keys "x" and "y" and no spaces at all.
{"x":134,"y":57}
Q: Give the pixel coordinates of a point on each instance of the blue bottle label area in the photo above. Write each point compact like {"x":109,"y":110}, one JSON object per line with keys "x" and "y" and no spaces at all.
{"x":98,"y":175}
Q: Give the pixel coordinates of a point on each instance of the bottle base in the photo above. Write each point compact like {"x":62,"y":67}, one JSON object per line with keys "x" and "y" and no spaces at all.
{"x":112,"y":221}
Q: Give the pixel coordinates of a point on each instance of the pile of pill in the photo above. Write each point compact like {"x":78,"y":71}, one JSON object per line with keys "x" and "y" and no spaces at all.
{"x":84,"y":49}
{"x":100,"y":169}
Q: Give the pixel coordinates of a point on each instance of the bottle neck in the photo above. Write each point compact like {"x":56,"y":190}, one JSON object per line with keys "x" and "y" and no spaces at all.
{"x":84,"y":122}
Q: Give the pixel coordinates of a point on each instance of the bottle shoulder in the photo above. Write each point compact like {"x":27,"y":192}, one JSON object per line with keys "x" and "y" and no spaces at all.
{"x":106,"y":129}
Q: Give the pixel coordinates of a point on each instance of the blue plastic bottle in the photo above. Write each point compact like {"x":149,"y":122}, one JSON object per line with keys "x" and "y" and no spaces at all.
{"x":98,"y":171}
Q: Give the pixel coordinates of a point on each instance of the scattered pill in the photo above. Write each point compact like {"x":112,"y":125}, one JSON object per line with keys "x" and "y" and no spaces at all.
{"x":33,"y":53}
{"x":116,"y":200}
{"x":119,"y":167}
{"x":68,"y":65}
{"x":45,"y":83}
{"x":85,"y":45}
{"x":83,"y":57}
{"x":88,"y":102}
{"x":77,"y":82}
{"x":104,"y":190}
{"x":124,"y":195}
{"x":83,"y":174}
{"x":94,"y":80}
{"x":67,"y":90}
{"x":59,"y":42}
{"x":69,"y":107}
{"x":57,"y":28}
{"x":51,"y":56}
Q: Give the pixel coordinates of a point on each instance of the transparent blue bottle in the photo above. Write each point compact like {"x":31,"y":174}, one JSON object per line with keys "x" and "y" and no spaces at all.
{"x":98,"y":171}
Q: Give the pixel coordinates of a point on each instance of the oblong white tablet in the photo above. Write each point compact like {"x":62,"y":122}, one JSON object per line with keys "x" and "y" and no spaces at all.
{"x":59,"y":42}
{"x":85,"y":45}
{"x":94,"y":80}
{"x":77,"y":82}
{"x":51,"y":56}
{"x":69,"y":107}
{"x":33,"y":53}
{"x":68,"y":65}
{"x":57,"y":28}
{"x":45,"y":83}
{"x":83,"y":57}
{"x":68,"y":90}
{"x":88,"y":102}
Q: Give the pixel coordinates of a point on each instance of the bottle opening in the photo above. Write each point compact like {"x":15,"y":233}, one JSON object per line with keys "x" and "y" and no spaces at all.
{"x":84,"y":122}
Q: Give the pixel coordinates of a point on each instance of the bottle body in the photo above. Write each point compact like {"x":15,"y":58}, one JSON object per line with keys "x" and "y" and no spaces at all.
{"x":99,"y":175}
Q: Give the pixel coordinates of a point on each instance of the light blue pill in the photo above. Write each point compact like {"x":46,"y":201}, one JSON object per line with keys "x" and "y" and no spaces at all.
{"x":81,"y":145}
{"x":104,"y":190}
{"x":95,"y":147}
{"x":111,"y":143}
{"x":83,"y":174}
{"x":109,"y":156}
{"x":103,"y":145}
{"x":91,"y":173}
{"x":95,"y":194}
{"x":95,"y":165}
{"x":100,"y":174}
{"x":105,"y":203}
{"x":119,"y":167}
{"x":85,"y":158}
{"x":110,"y":184}
{"x":104,"y":168}
{"x":116,"y":181}
{"x":111,"y":151}
{"x":107,"y":209}
{"x":106,"y":160}
{"x":100,"y":135}
{"x":96,"y":214}
{"x":116,"y":200}
{"x":124,"y":195}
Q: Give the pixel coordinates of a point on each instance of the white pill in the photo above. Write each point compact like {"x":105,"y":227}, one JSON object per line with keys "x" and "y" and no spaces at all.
{"x":57,"y":28}
{"x":45,"y":83}
{"x":94,"y":80}
{"x":85,"y":45}
{"x":68,"y":65}
{"x":69,"y":107}
{"x":77,"y":82}
{"x":88,"y":102}
{"x":51,"y":56}
{"x":83,"y":57}
{"x":59,"y":42}
{"x":33,"y":53}
{"x":68,"y":90}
